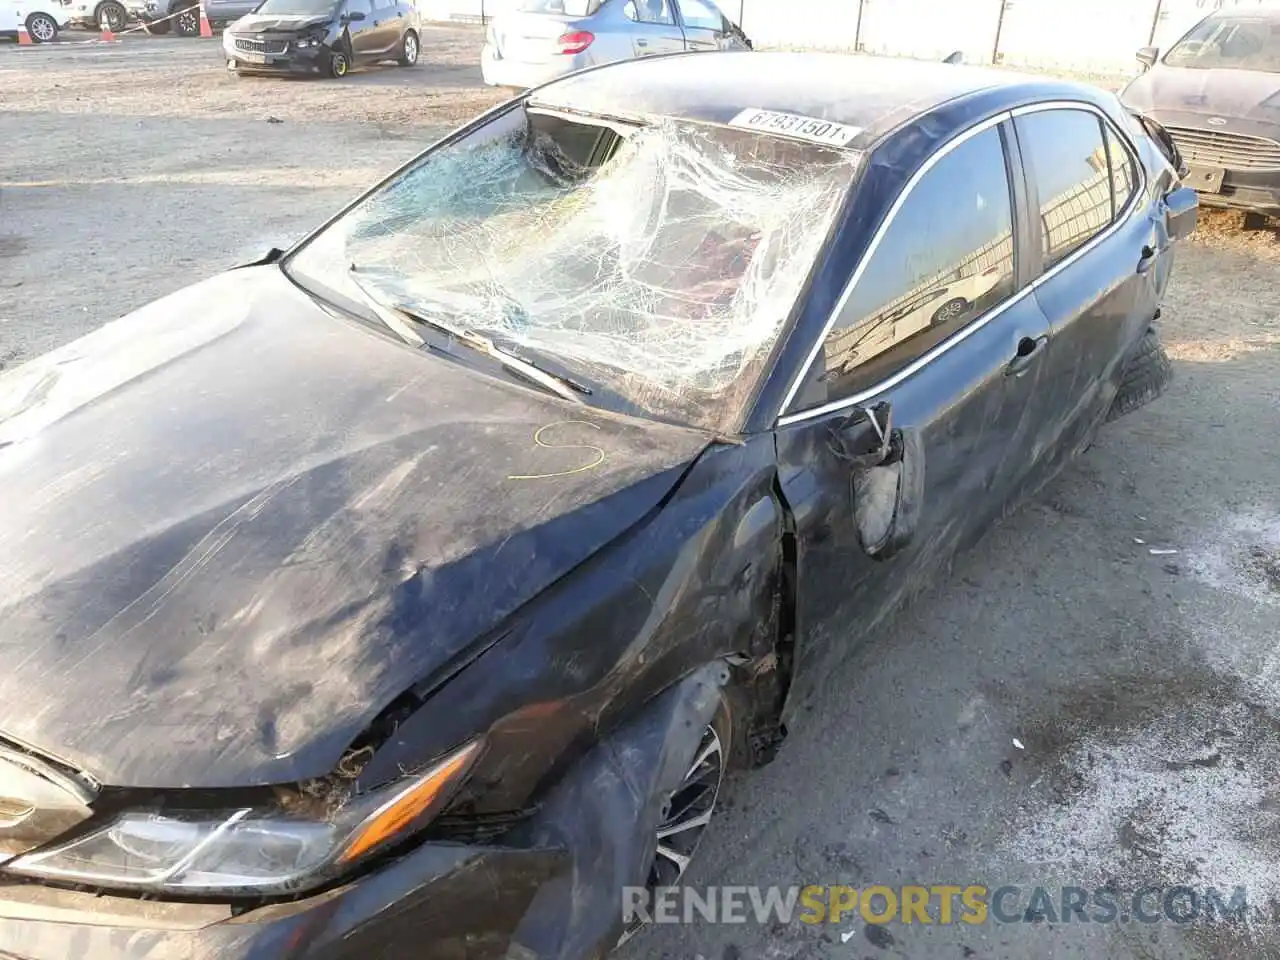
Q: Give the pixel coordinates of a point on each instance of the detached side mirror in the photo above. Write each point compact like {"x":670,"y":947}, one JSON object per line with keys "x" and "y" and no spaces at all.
{"x":887,"y":498}
{"x":1147,"y":56}
{"x":887,"y":478}
{"x":1183,"y":212}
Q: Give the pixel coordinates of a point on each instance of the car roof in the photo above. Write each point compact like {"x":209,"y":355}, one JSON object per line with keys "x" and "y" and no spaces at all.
{"x":1259,"y":12}
{"x":874,"y":94}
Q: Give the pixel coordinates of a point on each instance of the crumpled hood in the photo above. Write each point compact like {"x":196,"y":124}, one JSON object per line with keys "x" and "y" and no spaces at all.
{"x":1247,"y":94}
{"x":274,"y":23}
{"x":236,"y":526}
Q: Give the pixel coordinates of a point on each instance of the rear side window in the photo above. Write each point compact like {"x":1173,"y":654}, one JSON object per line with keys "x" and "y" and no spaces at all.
{"x":650,"y":11}
{"x":1124,"y":173}
{"x":702,"y":15}
{"x":1066,"y":160}
{"x":569,"y":8}
{"x":945,"y":259}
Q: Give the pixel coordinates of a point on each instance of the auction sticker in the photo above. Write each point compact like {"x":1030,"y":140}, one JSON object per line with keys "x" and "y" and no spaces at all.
{"x":795,"y":125}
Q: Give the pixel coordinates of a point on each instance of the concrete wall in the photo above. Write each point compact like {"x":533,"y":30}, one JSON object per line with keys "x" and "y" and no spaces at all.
{"x":1093,"y":36}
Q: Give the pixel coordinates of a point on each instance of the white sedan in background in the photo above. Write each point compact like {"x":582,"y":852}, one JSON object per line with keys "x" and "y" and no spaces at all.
{"x":42,"y":19}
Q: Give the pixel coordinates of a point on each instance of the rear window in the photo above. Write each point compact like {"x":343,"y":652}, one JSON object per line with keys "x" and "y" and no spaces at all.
{"x":567,"y":8}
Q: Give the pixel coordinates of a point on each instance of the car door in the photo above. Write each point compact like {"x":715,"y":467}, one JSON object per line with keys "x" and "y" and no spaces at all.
{"x":962,"y":386}
{"x":705,"y":27}
{"x":1102,"y":273}
{"x":386,"y":28}
{"x":652,"y":27}
{"x":361,"y":29}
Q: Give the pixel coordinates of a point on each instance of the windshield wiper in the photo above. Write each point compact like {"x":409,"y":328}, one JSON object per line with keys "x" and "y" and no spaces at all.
{"x":401,"y":318}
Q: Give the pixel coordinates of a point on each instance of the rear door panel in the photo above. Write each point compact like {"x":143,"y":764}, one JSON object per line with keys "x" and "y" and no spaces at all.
{"x":1097,"y":300}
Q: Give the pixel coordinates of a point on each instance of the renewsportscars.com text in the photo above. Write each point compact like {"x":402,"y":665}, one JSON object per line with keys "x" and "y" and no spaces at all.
{"x":941,"y":904}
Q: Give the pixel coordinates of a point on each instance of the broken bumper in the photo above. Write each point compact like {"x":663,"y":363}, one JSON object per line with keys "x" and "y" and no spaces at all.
{"x":552,"y":891}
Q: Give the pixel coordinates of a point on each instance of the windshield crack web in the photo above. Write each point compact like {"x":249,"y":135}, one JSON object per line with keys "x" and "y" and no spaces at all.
{"x":666,"y":272}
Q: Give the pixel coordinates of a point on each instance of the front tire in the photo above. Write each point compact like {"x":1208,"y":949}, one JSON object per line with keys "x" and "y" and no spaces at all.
{"x":42,"y":28}
{"x":112,"y":16}
{"x":409,"y":49}
{"x":339,"y":64}
{"x":691,"y":806}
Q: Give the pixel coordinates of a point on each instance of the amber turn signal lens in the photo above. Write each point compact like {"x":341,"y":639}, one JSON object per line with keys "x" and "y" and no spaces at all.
{"x":389,"y":820}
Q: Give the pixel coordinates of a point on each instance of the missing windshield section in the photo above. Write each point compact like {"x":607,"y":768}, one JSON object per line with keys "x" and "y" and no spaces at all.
{"x":661,"y":264}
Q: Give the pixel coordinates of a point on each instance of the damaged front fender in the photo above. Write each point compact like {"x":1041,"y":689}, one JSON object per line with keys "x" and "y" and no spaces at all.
{"x":606,"y":813}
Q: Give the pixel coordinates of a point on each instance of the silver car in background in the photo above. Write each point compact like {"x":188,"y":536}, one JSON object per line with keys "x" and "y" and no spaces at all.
{"x":539,"y":40}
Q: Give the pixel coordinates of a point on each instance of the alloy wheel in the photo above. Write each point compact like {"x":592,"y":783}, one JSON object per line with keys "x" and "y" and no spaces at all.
{"x":42,"y":28}
{"x":188,"y":21}
{"x":685,"y":818}
{"x":411,"y":49}
{"x":111,"y":16}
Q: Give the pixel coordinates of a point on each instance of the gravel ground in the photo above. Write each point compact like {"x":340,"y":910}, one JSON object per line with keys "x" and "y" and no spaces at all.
{"x":1142,"y":689}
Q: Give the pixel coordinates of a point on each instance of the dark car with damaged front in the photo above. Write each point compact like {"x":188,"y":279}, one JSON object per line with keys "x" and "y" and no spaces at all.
{"x":323,"y":37}
{"x":1217,"y":92}
{"x":412,"y":591}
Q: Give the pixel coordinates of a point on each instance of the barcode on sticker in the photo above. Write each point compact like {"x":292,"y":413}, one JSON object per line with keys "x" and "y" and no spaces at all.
{"x":795,"y":125}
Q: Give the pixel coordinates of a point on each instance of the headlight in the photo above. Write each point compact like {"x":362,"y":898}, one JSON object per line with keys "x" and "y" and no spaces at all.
{"x":312,"y":41}
{"x":247,"y":851}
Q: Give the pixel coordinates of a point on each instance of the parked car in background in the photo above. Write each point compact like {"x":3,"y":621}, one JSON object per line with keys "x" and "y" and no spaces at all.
{"x":222,"y":13}
{"x":323,"y":37}
{"x":168,"y":16}
{"x":427,"y":578}
{"x":1216,"y":92}
{"x":42,"y":19}
{"x":540,"y":40}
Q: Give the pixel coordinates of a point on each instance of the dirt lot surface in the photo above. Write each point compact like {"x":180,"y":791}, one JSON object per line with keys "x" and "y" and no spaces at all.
{"x":1069,"y":708}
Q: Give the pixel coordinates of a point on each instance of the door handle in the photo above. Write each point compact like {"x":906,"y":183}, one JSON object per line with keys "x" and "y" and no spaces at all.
{"x":1147,"y":259}
{"x":1028,"y":350}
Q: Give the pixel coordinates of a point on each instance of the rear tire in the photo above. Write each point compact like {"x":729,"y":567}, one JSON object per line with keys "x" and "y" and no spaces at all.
{"x":42,"y":28}
{"x":409,"y":49}
{"x":1147,"y":373}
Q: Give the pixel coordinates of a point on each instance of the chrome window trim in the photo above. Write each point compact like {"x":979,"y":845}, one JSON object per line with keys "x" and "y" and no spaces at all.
{"x":783,"y":420}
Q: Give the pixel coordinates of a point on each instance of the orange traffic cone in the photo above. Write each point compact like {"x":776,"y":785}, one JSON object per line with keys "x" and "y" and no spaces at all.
{"x":24,"y":38}
{"x":107,"y":36}
{"x":206,"y":29}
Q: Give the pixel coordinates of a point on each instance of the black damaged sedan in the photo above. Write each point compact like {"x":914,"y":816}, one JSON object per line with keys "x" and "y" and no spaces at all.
{"x":409,"y":593}
{"x":323,"y":37}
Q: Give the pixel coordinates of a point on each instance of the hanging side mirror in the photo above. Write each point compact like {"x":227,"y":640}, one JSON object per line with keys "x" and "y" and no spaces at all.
{"x":887,"y":480}
{"x":1147,"y":56}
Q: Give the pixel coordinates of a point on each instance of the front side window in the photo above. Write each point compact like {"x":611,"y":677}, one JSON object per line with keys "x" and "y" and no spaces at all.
{"x":656,"y":264}
{"x":946,"y":258}
{"x":1066,"y":159}
{"x":1232,"y":43}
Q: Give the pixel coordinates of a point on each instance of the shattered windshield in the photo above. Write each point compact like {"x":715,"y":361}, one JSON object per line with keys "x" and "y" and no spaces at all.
{"x":657,"y":263}
{"x":1240,"y":43}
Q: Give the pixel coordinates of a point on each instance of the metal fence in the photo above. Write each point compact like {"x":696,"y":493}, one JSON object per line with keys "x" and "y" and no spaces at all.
{"x":1090,"y":36}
